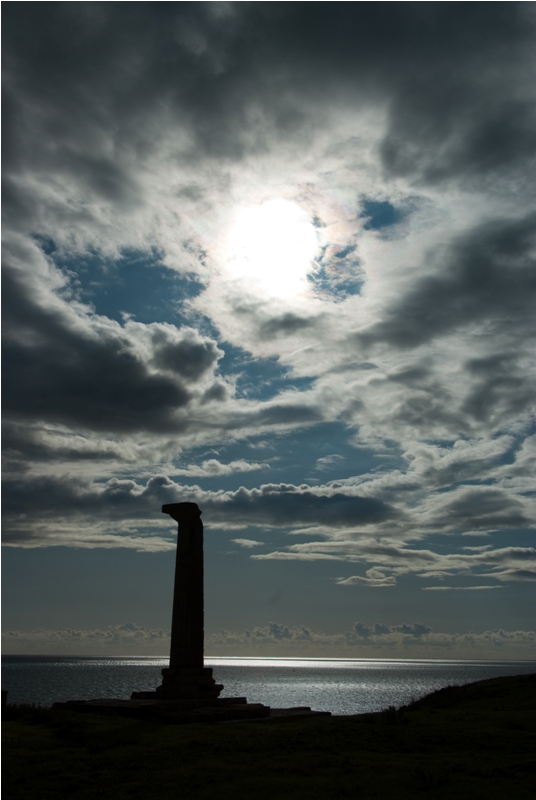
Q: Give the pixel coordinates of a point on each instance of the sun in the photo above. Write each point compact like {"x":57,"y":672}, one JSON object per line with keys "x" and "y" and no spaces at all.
{"x":271,"y":248}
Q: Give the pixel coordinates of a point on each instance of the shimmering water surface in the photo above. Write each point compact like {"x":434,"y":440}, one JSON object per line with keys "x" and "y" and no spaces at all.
{"x":341,"y":686}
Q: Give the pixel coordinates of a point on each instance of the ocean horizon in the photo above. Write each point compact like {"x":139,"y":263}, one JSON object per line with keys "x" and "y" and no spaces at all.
{"x":340,"y":685}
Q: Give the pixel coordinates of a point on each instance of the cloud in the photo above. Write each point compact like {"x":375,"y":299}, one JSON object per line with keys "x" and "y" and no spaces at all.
{"x":374,"y":577}
{"x":58,"y":503}
{"x":286,"y":504}
{"x":488,"y":272}
{"x":248,"y":543}
{"x":125,"y":639}
{"x":378,"y":639}
{"x":417,"y":630}
{"x":406,"y":640}
{"x":285,"y":324}
{"x":392,"y":559}
{"x":327,"y":462}
{"x":462,"y":588}
{"x":352,"y":527}
{"x":480,"y":507}
{"x":213,"y":467}
{"x":70,"y":366}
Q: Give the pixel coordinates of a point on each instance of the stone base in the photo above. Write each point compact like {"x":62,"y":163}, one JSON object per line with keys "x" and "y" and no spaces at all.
{"x":180,"y":683}
{"x":225,"y":709}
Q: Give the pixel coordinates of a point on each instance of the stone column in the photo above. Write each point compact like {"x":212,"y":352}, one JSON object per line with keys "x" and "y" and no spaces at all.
{"x":187,"y":625}
{"x":187,"y":678}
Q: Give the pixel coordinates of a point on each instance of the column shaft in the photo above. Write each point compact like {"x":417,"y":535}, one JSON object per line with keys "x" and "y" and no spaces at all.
{"x":186,"y":679}
{"x":187,"y":626}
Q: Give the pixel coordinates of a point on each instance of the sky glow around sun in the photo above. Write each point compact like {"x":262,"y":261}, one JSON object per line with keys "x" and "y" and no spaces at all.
{"x":271,"y":247}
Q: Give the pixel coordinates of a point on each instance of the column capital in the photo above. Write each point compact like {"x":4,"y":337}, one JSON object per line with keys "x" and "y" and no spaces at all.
{"x":182,"y":512}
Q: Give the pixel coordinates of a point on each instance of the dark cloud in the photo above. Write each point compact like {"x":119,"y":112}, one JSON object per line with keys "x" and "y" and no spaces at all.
{"x":473,"y":144}
{"x":95,"y":383}
{"x":482,"y":507}
{"x":284,"y":414}
{"x":23,"y":443}
{"x":416,"y":375}
{"x":501,"y":388}
{"x":427,"y":406}
{"x":191,"y":357}
{"x":488,"y":274}
{"x":218,"y":392}
{"x":416,"y":630}
{"x":362,"y":630}
{"x":87,"y":371}
{"x":285,"y":324}
{"x":47,"y":497}
{"x":287,"y":505}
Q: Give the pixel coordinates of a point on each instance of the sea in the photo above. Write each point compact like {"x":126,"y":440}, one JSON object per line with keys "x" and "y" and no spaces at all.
{"x":342,"y":686}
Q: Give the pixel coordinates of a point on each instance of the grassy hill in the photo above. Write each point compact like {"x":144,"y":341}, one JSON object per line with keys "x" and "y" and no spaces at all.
{"x":474,"y":741}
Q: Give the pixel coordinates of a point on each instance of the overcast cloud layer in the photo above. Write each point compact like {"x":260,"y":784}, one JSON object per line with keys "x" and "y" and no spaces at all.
{"x":134,"y":135}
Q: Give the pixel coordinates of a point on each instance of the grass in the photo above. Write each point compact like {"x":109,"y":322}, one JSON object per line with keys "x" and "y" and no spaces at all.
{"x":475,"y":741}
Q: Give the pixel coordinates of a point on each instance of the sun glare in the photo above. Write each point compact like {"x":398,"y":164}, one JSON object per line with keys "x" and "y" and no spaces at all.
{"x":271,"y":248}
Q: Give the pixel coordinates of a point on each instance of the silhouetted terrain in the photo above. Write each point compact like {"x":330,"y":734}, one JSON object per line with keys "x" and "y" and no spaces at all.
{"x":474,"y":741}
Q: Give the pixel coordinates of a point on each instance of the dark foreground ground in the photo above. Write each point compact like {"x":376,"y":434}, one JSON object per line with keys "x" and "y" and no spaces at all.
{"x":475,"y":741}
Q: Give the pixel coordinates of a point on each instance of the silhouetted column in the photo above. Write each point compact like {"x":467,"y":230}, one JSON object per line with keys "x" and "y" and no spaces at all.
{"x":187,"y":678}
{"x":187,"y":625}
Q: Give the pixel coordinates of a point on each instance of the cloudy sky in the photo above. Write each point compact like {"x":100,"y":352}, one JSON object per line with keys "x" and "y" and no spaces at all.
{"x":277,"y":259}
